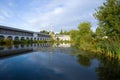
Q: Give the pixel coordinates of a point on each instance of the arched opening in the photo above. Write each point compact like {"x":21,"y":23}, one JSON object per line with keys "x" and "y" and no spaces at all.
{"x":22,"y":38}
{"x":16,"y":46}
{"x":27,"y":38}
{"x":9,"y":37}
{"x":2,"y":39}
{"x":34,"y":38}
{"x":37,"y":38}
{"x":22,"y":45}
{"x":9,"y":40}
{"x":31,"y":39}
{"x":16,"y":38}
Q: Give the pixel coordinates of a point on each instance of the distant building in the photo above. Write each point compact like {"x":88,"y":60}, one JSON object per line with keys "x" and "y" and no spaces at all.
{"x":63,"y":37}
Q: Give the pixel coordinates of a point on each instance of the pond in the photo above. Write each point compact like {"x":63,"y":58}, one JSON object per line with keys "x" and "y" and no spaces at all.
{"x":55,"y":62}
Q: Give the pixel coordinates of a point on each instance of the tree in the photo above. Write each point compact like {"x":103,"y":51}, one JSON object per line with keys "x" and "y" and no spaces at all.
{"x":73,"y":35}
{"x":61,"y":32}
{"x":44,"y":31}
{"x":85,"y":28}
{"x":109,"y":17}
{"x":85,"y":31}
{"x":83,"y":36}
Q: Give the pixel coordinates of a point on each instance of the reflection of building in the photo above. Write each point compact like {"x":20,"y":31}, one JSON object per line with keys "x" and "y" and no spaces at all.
{"x":63,"y":37}
{"x":19,"y":49}
{"x":64,"y":45}
{"x":19,"y":34}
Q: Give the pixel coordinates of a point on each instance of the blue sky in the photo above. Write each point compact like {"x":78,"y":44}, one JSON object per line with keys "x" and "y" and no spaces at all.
{"x":36,"y":15}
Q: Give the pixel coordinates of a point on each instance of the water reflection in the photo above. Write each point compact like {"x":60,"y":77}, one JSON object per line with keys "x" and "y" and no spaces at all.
{"x":56,"y":62}
{"x":21,"y":46}
{"x":10,"y":50}
{"x":84,"y":60}
{"x":108,"y":68}
{"x":65,"y":45}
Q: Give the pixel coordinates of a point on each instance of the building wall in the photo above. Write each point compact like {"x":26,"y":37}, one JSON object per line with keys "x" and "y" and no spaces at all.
{"x":63,"y":37}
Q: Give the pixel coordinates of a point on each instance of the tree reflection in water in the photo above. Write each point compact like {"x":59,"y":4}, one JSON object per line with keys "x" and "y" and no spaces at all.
{"x":84,"y":60}
{"x":108,"y":68}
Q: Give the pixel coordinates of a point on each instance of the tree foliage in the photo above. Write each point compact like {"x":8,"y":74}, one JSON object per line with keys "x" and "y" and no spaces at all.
{"x":44,"y":31}
{"x":82,"y":36}
{"x":106,"y":39}
{"x":100,"y":32}
{"x":108,"y":16}
{"x":73,"y":35}
{"x":63,"y":32}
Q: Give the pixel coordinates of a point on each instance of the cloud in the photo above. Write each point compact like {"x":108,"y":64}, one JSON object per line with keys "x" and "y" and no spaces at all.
{"x":65,"y":12}
{"x":2,"y":18}
{"x":5,"y":13}
{"x":62,"y":14}
{"x":10,"y":4}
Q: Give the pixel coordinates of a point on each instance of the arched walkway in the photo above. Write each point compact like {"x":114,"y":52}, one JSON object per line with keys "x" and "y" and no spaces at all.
{"x":2,"y":37}
{"x":16,"y":38}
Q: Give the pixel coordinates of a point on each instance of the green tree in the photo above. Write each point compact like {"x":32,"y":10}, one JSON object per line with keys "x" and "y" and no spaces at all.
{"x":85,"y":34}
{"x":61,"y":32}
{"x":82,"y":36}
{"x":44,"y":31}
{"x":73,"y":35}
{"x":64,"y":32}
{"x":85,"y":28}
{"x":109,"y":17}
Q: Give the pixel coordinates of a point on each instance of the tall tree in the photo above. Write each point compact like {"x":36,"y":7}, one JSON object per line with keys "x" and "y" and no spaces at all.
{"x":73,"y":35}
{"x":85,"y":32}
{"x":108,"y":16}
{"x":61,"y":32}
{"x":85,"y":28}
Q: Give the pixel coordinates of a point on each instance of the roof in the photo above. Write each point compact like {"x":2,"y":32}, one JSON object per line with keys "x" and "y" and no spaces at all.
{"x":42,"y":33}
{"x":21,"y":30}
{"x":16,"y":29}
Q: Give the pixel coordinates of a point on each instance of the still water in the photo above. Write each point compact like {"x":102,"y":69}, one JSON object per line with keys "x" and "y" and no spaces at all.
{"x":55,"y":62}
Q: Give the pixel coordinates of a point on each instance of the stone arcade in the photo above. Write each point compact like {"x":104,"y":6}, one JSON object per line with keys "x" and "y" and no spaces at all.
{"x":19,"y":34}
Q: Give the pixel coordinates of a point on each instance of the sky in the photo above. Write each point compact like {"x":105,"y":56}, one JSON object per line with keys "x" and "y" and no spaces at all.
{"x":37,"y":15}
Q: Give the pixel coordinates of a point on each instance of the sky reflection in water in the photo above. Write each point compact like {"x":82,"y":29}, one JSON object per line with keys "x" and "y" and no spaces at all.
{"x":49,"y":63}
